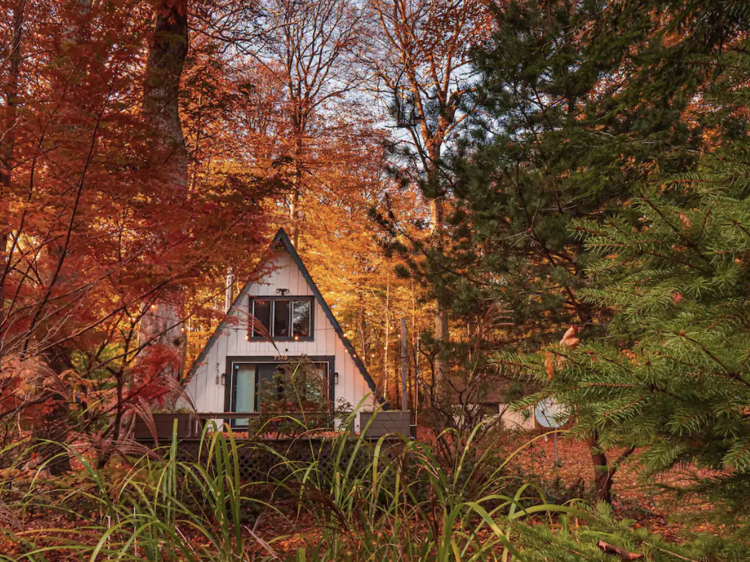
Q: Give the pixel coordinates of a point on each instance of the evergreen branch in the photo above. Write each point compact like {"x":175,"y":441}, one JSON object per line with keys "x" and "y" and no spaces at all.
{"x":729,"y":372}
{"x":689,"y":243}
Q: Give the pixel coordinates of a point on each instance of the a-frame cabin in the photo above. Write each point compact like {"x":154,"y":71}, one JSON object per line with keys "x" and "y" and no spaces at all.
{"x":226,"y":374}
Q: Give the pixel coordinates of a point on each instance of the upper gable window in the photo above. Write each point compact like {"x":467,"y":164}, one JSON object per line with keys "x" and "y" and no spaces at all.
{"x":302,"y":318}
{"x":281,"y":313}
{"x":285,"y":318}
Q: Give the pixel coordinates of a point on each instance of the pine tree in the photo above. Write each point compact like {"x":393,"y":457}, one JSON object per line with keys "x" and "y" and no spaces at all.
{"x":581,"y":102}
{"x":672,"y":373}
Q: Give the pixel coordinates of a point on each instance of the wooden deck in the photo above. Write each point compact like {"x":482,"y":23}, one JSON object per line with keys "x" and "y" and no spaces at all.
{"x":192,"y":425}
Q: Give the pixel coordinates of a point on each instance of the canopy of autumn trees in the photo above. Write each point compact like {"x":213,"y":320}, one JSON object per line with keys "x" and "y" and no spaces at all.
{"x":119,"y":230}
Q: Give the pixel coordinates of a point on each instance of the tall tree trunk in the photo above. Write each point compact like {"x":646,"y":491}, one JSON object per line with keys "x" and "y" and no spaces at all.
{"x":442,"y":334}
{"x":365,"y":345}
{"x":162,"y":322}
{"x":294,"y":211}
{"x":166,"y":61}
{"x":415,"y":352}
{"x":7,"y":140}
{"x":56,"y":426}
{"x":387,"y":334}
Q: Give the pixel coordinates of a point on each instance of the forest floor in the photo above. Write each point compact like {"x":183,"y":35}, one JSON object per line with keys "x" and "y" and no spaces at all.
{"x":652,"y":503}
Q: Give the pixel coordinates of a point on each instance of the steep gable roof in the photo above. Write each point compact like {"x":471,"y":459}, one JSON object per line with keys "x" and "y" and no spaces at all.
{"x":282,"y":239}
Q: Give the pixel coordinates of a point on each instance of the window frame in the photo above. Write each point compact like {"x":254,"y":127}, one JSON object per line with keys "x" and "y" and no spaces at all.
{"x":272,"y":317}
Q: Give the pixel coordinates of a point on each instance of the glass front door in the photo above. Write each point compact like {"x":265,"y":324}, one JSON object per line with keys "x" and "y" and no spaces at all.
{"x":245,"y":383}
{"x":249,"y":379}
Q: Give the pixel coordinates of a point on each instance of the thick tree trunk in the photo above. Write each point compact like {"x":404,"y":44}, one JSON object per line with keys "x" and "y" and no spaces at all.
{"x":52,"y":431}
{"x":442,"y":334}
{"x":162,"y":322}
{"x":164,"y":67}
{"x":7,"y":140}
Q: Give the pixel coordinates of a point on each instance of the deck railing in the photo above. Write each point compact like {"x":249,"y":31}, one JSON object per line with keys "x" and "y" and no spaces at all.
{"x":190,"y":425}
{"x":265,"y":425}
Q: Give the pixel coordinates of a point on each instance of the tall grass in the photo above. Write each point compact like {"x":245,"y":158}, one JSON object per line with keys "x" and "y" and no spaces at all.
{"x":350,"y":498}
{"x":152,"y":510}
{"x":404,"y":505}
{"x":359,"y":501}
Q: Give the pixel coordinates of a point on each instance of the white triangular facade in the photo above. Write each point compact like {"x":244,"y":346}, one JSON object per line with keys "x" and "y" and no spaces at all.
{"x":231,"y":345}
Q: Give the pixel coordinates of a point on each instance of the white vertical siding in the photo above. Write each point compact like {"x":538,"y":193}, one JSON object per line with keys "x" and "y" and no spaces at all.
{"x":230,"y":340}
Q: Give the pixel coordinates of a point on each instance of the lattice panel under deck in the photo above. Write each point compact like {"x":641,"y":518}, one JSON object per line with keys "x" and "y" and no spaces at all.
{"x":276,"y":460}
